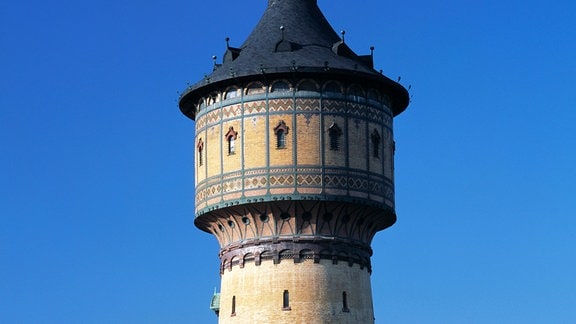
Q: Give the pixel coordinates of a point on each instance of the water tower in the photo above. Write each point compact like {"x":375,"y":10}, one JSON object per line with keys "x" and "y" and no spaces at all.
{"x":294,"y":166}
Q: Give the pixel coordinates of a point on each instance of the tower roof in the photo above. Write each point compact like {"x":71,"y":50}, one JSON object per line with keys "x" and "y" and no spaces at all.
{"x":293,"y":37}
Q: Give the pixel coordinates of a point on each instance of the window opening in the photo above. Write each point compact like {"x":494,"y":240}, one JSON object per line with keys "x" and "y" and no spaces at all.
{"x":307,"y":86}
{"x":200,"y":148}
{"x":233,"y":306}
{"x":254,"y":88}
{"x":232,"y":93}
{"x":280,"y":139}
{"x":355,"y":94}
{"x":280,"y":86}
{"x":334,"y":132}
{"x":373,"y":95}
{"x":231,"y":145}
{"x":231,"y":136}
{"x":286,"y":300}
{"x":375,"y":144}
{"x":333,"y":88}
{"x":281,"y":130}
{"x":345,"y":302}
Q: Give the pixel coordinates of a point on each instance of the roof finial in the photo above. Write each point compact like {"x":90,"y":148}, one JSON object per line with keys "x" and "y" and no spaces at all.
{"x":227,"y":42}
{"x":372,"y":51}
{"x":215,"y":65}
{"x":342,"y":32}
{"x":282,"y":31}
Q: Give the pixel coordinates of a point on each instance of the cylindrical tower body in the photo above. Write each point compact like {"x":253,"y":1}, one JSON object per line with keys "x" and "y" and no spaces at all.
{"x":294,"y":170}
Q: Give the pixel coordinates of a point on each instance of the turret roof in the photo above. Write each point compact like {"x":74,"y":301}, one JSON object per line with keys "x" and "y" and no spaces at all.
{"x":293,"y":36}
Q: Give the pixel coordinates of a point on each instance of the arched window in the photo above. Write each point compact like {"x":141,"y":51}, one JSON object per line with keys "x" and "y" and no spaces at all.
{"x":231,"y":93}
{"x":334,"y":132}
{"x":202,"y":103}
{"x":307,"y":85}
{"x":212,"y":99}
{"x":231,"y":136}
{"x":254,"y":88}
{"x":280,"y":86}
{"x":286,"y":300}
{"x":355,"y":94}
{"x":332,"y":88}
{"x":281,"y":130}
{"x":375,"y":144}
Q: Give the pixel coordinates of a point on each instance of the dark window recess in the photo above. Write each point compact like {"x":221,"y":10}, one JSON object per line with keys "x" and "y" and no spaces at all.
{"x":345,"y":302}
{"x":280,"y":86}
{"x":281,"y":130}
{"x":280,"y":139}
{"x":355,"y":94}
{"x":334,"y":132}
{"x":264,"y":218}
{"x":375,"y":137}
{"x":286,"y":300}
{"x":333,"y":88}
{"x":233,"y":313}
{"x":285,"y":216}
{"x":307,"y":86}
{"x":200,"y":148}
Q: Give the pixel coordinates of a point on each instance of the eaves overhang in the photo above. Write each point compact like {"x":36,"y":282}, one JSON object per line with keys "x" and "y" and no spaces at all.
{"x":397,"y":93}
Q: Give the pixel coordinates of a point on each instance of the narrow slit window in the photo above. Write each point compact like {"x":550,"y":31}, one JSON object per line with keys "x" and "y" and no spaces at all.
{"x":231,"y":145}
{"x":375,"y":144}
{"x":200,"y":156}
{"x":334,"y":133}
{"x":286,"y":300}
{"x":345,"y":302}
{"x":233,"y":306}
{"x":231,"y":136}
{"x":281,"y":130}
{"x":200,"y":149}
{"x":280,"y":139}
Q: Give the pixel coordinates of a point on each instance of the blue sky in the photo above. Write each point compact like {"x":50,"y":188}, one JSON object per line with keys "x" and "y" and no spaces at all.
{"x":96,"y":188}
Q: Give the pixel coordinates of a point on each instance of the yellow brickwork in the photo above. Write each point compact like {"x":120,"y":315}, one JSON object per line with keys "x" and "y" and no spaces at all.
{"x":357,"y":145}
{"x":254,"y":138}
{"x":308,"y":140}
{"x":281,"y":156}
{"x":232,"y":161}
{"x":258,"y":168}
{"x":213,"y":150}
{"x":315,"y":293}
{"x":338,"y":157}
{"x":200,"y":167}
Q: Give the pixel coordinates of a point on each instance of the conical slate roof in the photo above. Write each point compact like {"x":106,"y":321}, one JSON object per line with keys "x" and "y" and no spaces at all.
{"x":293,"y":37}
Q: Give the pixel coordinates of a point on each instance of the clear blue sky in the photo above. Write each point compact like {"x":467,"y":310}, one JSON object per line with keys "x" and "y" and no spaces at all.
{"x":96,"y":181}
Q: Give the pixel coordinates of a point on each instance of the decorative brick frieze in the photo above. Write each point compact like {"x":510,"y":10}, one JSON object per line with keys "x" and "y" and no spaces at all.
{"x":296,"y":250}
